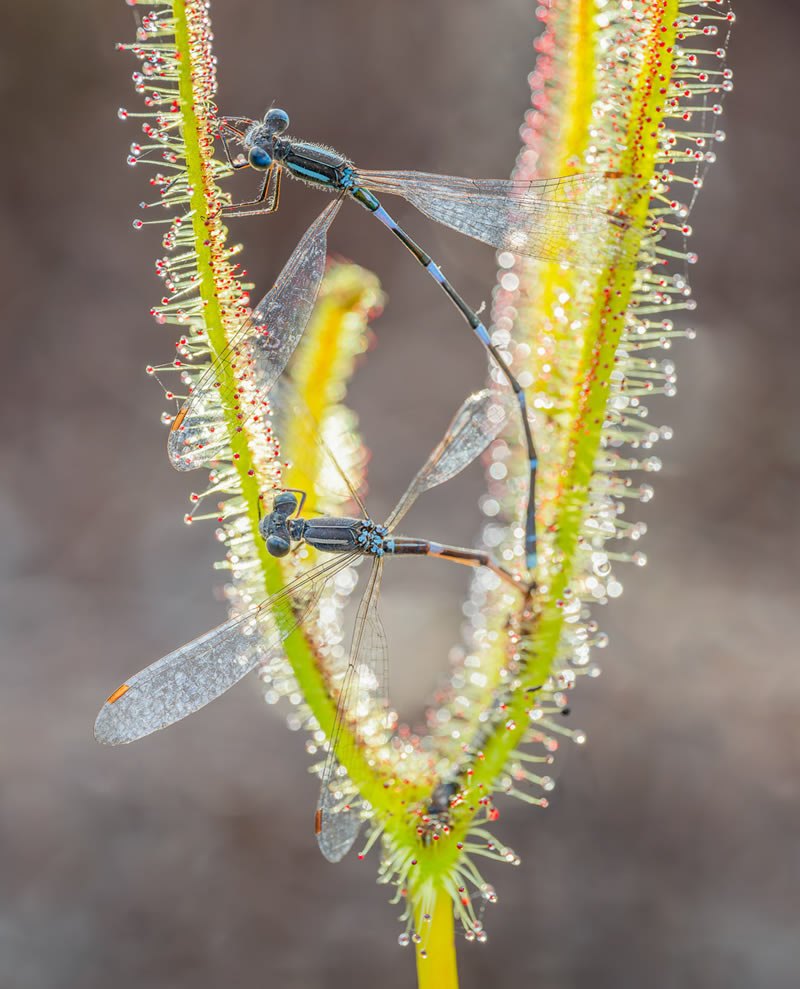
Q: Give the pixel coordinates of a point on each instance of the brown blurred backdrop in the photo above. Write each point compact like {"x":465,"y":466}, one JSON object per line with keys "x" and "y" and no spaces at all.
{"x":669,"y":856}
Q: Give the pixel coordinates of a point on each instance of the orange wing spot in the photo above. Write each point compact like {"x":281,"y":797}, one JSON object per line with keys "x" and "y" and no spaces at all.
{"x":176,"y":422}
{"x":118,"y":693}
{"x":318,"y":822}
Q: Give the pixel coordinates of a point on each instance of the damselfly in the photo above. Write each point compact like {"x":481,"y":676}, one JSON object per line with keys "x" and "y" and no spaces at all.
{"x":192,"y":676}
{"x":549,"y":219}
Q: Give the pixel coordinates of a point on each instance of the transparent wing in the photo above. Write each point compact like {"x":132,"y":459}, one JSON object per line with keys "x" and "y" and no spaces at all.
{"x":190,"y":677}
{"x":361,"y":700}
{"x":549,"y":219}
{"x":480,"y":420}
{"x":242,"y":375}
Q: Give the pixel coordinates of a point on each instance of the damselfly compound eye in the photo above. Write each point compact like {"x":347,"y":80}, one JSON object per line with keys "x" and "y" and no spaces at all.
{"x":259,"y":158}
{"x":277,"y":121}
{"x":285,"y":503}
{"x":278,"y":545}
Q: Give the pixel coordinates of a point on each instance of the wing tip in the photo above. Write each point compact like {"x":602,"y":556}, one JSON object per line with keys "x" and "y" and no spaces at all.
{"x":101,"y":729}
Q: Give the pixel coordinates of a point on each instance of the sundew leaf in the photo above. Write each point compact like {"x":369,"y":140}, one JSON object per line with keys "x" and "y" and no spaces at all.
{"x":634,"y":89}
{"x":206,"y":297}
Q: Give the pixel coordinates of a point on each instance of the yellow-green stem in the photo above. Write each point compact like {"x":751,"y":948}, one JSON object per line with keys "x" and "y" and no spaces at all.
{"x":436,"y":968}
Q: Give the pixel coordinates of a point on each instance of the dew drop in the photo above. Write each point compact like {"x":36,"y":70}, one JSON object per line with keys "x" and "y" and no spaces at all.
{"x":566,"y":679}
{"x":510,"y":281}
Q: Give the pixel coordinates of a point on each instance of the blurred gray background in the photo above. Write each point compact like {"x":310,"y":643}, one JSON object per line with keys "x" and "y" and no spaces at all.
{"x":669,"y":856}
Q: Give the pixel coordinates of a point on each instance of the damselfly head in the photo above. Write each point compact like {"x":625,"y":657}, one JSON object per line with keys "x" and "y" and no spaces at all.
{"x":273,"y":528}
{"x":259,"y":139}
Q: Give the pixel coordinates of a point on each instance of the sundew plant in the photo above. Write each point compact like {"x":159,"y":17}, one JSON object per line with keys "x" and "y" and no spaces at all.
{"x":628,"y":87}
